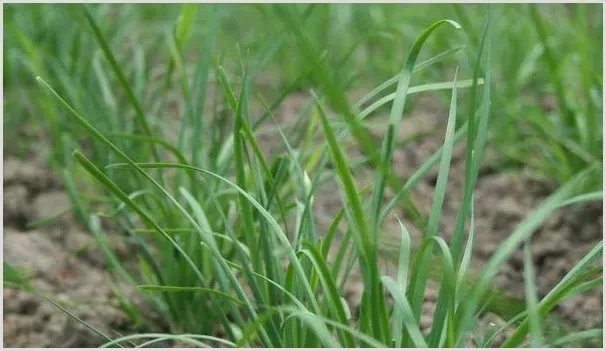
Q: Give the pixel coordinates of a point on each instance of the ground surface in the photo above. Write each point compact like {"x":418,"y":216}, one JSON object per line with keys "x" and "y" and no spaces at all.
{"x":64,"y":261}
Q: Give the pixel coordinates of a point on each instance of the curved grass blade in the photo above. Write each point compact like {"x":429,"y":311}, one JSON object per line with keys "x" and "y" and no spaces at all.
{"x":396,"y":116}
{"x":402,"y":305}
{"x":579,"y":336}
{"x":419,"y":283}
{"x":395,"y":78}
{"x":420,"y":173}
{"x":415,"y":90}
{"x":206,"y":262}
{"x":402,"y":276}
{"x":250,"y":331}
{"x":154,"y":140}
{"x":444,"y":313}
{"x":335,"y":96}
{"x":333,"y":297}
{"x":534,"y":318}
{"x":100,"y":176}
{"x":191,"y":338}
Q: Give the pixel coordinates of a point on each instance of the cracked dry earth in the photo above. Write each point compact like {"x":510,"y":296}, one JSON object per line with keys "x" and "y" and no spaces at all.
{"x":63,"y":260}
{"x":60,"y":259}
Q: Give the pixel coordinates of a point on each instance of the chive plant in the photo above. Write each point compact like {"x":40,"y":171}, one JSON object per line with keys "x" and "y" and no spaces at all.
{"x":207,"y":210}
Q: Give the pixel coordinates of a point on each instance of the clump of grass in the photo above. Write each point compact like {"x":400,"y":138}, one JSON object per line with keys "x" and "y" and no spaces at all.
{"x":548,"y":101}
{"x":209,"y":211}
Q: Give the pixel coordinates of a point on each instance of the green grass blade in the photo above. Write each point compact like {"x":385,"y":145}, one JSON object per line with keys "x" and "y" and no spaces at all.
{"x":173,"y":150}
{"x":176,"y":289}
{"x":366,"y":244}
{"x":444,"y":313}
{"x":474,"y":145}
{"x":187,"y":338}
{"x":579,"y":336}
{"x":508,"y":247}
{"x":119,"y":75}
{"x":402,"y":280}
{"x":571,"y":280}
{"x":534,"y":318}
{"x":396,"y":116}
{"x":333,"y":297}
{"x":75,"y":317}
{"x":418,"y":175}
{"x":273,"y":223}
{"x":122,"y":196}
{"x":415,"y":90}
{"x":410,"y":322}
{"x":14,"y":277}
{"x":394,"y":79}
{"x":332,"y":232}
{"x":589,"y":197}
{"x":185,"y":22}
{"x":550,"y":60}
{"x":335,"y":96}
{"x":419,"y":283}
{"x":201,"y":82}
{"x":441,"y":183}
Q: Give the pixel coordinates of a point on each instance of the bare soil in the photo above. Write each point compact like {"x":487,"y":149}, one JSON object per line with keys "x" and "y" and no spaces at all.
{"x":64,"y":262}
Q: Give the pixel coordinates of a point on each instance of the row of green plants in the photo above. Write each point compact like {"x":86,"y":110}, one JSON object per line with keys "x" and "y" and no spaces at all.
{"x":191,"y":188}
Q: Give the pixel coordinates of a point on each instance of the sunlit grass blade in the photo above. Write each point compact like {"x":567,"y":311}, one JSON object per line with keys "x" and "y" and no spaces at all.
{"x":185,"y":22}
{"x":588,"y":197}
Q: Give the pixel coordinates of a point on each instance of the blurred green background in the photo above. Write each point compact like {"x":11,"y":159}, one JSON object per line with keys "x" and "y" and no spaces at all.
{"x":547,"y":64}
